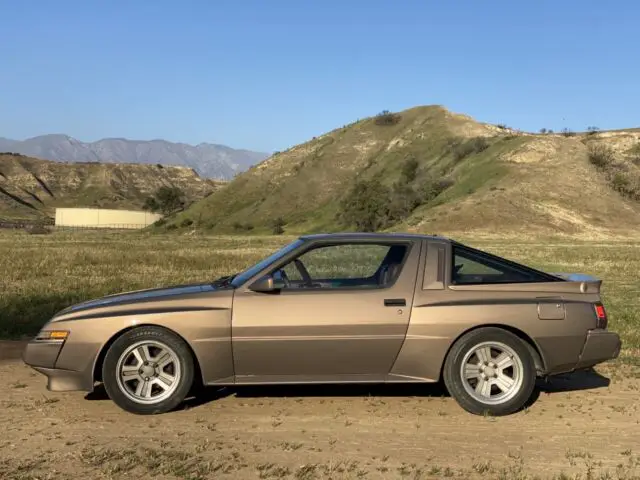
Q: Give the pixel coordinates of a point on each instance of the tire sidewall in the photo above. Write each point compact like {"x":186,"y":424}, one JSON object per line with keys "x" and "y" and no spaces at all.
{"x":454,"y":382}
{"x":158,"y":334}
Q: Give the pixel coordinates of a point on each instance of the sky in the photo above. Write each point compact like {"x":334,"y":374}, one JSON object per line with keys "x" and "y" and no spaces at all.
{"x":269,"y":74}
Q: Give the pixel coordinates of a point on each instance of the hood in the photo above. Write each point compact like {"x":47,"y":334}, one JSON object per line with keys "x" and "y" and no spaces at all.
{"x":151,"y":294}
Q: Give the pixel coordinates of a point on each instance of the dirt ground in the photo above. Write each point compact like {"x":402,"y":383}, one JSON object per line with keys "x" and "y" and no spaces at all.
{"x":584,"y":425}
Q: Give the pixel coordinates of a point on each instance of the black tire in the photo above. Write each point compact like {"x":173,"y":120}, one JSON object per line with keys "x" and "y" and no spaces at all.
{"x":518,"y":395}
{"x":182,"y":362}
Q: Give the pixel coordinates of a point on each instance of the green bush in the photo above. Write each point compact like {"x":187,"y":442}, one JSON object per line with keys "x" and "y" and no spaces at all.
{"x":166,"y":200}
{"x":365,"y":206}
{"x":370,"y":205}
{"x":409,"y":170}
{"x":186,"y":222}
{"x":463,"y":148}
{"x":238,"y":226}
{"x":385,"y":118}
{"x":277,"y":226}
{"x":160,"y":222}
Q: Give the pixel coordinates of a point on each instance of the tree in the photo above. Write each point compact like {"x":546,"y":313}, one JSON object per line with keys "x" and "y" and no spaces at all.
{"x":166,"y":200}
{"x":151,"y":204}
{"x":366,"y":206}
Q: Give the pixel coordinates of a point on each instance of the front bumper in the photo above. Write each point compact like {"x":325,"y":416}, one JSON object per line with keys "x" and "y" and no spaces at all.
{"x":42,"y":357}
{"x":599,"y":347}
{"x":59,"y":380}
{"x":42,"y":353}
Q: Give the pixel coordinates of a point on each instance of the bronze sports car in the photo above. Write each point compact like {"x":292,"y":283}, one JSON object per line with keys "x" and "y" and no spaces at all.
{"x":337,"y":308}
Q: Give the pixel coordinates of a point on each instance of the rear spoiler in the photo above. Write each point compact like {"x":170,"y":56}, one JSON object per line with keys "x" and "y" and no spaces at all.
{"x":588,"y":283}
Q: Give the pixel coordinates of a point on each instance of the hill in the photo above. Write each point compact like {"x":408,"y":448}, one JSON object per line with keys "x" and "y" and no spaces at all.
{"x":208,"y":160}
{"x":31,"y":188}
{"x":427,"y":169}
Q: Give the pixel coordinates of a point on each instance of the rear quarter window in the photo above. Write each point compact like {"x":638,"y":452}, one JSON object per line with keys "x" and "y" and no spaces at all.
{"x":474,"y":267}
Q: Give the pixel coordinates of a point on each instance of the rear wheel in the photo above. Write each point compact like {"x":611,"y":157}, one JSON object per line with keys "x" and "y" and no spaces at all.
{"x":490,"y":371}
{"x":148,"y":370}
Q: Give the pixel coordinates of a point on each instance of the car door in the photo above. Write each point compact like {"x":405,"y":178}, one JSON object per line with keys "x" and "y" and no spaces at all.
{"x":346,"y":323}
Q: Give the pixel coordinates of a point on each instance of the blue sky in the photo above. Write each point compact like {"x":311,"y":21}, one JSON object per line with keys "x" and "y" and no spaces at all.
{"x":268,"y":74}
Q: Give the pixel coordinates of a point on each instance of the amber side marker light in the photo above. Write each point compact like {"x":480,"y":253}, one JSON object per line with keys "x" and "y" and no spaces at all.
{"x":52,"y":335}
{"x":601,"y":315}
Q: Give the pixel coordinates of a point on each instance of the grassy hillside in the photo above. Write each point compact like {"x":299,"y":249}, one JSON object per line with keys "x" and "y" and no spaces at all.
{"x":31,"y":188}
{"x":434,"y":170}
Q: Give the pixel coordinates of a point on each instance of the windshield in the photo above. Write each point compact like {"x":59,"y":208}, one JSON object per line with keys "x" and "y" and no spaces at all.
{"x":250,"y":272}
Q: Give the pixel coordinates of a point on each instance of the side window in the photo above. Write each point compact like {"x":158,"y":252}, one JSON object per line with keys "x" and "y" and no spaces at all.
{"x":363,"y":265}
{"x":471,"y":267}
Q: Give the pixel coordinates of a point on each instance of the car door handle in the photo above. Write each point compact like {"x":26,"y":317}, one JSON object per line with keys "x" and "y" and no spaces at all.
{"x":395,"y":302}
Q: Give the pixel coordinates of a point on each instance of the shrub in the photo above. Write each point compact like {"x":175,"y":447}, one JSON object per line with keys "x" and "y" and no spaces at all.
{"x":543,"y":131}
{"x":365,"y":206}
{"x":567,"y":132}
{"x":403,"y":200}
{"x":432,"y":188}
{"x":625,"y":186}
{"x":278,"y":226}
{"x":160,"y":222}
{"x":37,"y":230}
{"x":601,"y":156}
{"x":186,"y":222}
{"x":385,"y":118}
{"x":173,"y":226}
{"x":242,"y":226}
{"x":166,"y":200}
{"x":409,"y":170}
{"x":468,"y":147}
{"x":592,"y":130}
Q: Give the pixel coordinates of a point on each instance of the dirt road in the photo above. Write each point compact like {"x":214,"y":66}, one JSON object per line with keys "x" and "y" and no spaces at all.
{"x":578,"y":424}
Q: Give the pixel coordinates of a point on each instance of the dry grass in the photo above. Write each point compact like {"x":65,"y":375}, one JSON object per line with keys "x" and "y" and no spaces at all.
{"x":43,"y":274}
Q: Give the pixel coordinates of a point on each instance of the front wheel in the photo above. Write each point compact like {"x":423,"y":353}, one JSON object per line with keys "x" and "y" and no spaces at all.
{"x":490,"y":371}
{"x":148,"y":370}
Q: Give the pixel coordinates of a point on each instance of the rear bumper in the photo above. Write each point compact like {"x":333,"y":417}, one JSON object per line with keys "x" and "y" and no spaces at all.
{"x":599,"y":347}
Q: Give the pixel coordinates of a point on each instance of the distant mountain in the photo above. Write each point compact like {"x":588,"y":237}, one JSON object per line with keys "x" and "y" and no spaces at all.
{"x":32,"y":188}
{"x":208,"y":160}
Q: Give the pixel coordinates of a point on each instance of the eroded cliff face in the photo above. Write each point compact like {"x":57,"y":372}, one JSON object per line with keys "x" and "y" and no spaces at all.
{"x":32,"y":188}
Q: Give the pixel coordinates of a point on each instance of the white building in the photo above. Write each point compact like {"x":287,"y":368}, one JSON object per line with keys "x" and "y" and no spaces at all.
{"x":104,"y":218}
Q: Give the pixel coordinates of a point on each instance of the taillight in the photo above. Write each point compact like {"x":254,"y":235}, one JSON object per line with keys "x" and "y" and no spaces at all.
{"x":601,"y":316}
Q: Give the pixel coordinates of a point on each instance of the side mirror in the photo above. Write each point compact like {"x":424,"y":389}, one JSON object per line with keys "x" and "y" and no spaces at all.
{"x":265,"y":284}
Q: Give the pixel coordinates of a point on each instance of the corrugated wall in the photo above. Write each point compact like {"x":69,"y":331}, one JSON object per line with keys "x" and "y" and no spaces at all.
{"x":104,"y":218}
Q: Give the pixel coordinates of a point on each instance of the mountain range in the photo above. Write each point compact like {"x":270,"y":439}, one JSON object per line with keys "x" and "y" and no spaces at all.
{"x":208,"y":160}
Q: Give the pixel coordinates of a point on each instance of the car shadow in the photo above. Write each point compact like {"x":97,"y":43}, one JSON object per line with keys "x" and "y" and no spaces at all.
{"x":576,"y":381}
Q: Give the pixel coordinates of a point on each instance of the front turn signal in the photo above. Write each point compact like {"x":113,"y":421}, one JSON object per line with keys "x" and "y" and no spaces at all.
{"x":52,"y":335}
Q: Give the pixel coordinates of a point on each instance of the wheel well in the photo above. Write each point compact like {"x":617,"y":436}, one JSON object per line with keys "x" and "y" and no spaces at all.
{"x":97,"y":368}
{"x":538,"y":359}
